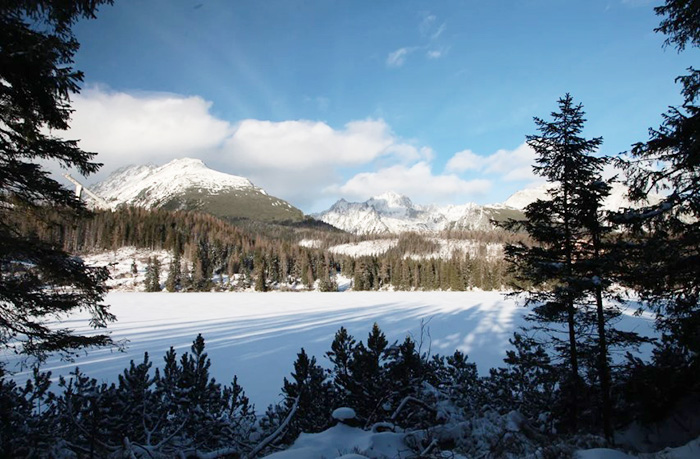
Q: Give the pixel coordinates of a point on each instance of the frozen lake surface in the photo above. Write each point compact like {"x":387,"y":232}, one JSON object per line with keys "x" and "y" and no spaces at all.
{"x":257,"y":335}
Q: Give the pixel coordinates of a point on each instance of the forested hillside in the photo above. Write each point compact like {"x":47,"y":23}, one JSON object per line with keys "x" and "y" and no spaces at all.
{"x":266,"y":256}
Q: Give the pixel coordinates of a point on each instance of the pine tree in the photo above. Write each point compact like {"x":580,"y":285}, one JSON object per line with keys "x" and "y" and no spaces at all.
{"x":173,"y":282}
{"x":341,"y":356}
{"x":557,"y":225}
{"x":37,"y":279}
{"x":314,"y":394}
{"x":152,"y":280}
{"x":260,"y":272}
{"x":368,"y":386}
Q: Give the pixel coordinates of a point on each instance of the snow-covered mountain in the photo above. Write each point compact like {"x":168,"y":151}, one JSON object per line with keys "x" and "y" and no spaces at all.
{"x":394,"y":213}
{"x":189,"y":184}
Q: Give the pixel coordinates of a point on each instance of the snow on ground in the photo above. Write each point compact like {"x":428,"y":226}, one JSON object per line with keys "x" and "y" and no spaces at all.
{"x":342,"y":441}
{"x":474,"y":249}
{"x":691,"y":450}
{"x":120,"y":262}
{"x":364,"y":248}
{"x":446,"y":248}
{"x":310,"y":243}
{"x":257,"y":335}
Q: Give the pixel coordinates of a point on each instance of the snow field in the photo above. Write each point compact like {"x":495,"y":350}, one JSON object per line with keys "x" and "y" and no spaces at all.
{"x":258,"y":335}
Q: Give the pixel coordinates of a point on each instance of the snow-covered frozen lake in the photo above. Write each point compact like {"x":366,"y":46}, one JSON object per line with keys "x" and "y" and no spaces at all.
{"x":257,"y":335}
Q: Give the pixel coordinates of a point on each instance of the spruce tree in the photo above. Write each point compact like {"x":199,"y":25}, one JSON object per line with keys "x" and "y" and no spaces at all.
{"x":37,"y":279}
{"x":341,"y":356}
{"x":152,"y":280}
{"x":310,"y":386}
{"x":173,"y":282}
{"x":368,"y":386}
{"x":558,"y":226}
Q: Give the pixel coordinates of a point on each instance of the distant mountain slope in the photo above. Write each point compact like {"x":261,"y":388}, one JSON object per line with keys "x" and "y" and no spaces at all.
{"x":394,"y":213}
{"x":188,"y":184}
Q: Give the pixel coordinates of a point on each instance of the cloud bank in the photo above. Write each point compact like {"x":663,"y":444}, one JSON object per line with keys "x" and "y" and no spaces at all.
{"x":305,"y":162}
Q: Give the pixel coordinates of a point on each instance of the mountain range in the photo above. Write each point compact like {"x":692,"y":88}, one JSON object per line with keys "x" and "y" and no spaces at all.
{"x":188,"y":184}
{"x":394,"y":213}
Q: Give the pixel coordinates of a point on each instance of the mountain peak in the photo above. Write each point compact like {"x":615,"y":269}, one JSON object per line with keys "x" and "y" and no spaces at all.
{"x":186,"y":162}
{"x":391,"y":199}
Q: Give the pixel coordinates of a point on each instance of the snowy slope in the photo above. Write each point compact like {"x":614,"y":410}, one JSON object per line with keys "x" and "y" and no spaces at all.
{"x":189,"y":184}
{"x":394,"y":213}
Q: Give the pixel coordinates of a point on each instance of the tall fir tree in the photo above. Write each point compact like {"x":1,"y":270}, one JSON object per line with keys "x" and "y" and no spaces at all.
{"x":37,"y":278}
{"x":564,"y":263}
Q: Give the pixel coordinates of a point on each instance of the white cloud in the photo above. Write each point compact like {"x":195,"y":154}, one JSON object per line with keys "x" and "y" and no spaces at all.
{"x":464,"y":161}
{"x":302,"y":161}
{"x":294,"y":160}
{"x":416,"y":181}
{"x":126,"y":128}
{"x":434,"y":54}
{"x":398,"y":58}
{"x":509,"y":165}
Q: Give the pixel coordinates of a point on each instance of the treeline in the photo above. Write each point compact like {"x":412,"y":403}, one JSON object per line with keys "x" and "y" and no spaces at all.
{"x":458,"y":273}
{"x":210,"y":253}
{"x":438,"y":404}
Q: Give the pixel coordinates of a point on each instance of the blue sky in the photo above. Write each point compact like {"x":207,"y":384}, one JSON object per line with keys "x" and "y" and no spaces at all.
{"x":317,"y":100}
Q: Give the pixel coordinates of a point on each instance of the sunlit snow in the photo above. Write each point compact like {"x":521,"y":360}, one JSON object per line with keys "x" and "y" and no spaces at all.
{"x":257,"y":335}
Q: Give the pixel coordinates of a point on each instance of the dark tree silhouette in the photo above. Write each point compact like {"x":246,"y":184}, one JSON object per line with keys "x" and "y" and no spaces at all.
{"x":565,"y":265}
{"x":664,"y":237}
{"x":38,"y":280}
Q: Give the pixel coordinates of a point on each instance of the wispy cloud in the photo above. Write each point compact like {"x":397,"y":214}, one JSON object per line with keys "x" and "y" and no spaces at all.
{"x":430,"y":30}
{"x":436,"y":53}
{"x":436,"y":34}
{"x":398,"y":58}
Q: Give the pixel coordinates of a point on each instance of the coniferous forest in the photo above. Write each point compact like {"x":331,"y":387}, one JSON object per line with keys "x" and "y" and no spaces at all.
{"x":569,"y":382}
